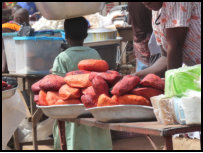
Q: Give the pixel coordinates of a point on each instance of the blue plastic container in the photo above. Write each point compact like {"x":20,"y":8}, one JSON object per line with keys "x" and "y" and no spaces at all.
{"x":36,"y":54}
{"x":9,"y":45}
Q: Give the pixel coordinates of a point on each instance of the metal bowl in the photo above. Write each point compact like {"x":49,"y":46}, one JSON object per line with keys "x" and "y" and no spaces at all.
{"x":69,"y":111}
{"x":123,"y":113}
{"x":8,"y":93}
{"x":65,"y":10}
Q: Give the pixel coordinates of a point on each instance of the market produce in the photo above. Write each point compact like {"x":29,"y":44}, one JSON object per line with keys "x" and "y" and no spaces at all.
{"x":131,"y":100}
{"x":146,"y":92}
{"x":5,"y":86}
{"x":69,"y":101}
{"x":89,"y":91}
{"x":8,"y":83}
{"x":36,"y":99}
{"x":42,"y":98}
{"x":154,"y":81}
{"x":52,"y":97}
{"x":110,"y":76}
{"x":77,"y":72}
{"x":91,"y":86}
{"x":100,"y":86}
{"x":78,"y":81}
{"x":93,"y":65}
{"x":89,"y":100}
{"x":125,"y":85}
{"x":105,"y":100}
{"x":67,"y":92}
{"x":51,"y":82}
{"x":35,"y":87}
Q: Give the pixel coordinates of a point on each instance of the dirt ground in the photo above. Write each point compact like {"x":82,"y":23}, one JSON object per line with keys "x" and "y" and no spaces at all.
{"x":142,"y":143}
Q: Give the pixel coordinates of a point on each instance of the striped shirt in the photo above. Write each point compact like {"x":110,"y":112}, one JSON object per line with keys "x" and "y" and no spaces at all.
{"x":180,"y":14}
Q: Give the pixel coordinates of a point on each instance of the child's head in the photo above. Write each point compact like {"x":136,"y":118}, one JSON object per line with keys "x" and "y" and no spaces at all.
{"x":21,"y":16}
{"x":76,"y":29}
{"x":14,"y":9}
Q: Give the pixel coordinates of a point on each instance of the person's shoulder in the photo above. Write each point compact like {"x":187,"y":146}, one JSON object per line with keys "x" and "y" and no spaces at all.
{"x":92,"y":49}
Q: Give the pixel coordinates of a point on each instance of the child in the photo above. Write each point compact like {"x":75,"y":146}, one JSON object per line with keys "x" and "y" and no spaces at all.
{"x":78,"y":137}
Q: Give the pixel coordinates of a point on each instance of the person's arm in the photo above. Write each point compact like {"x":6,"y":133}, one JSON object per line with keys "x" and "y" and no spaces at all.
{"x":158,"y":68}
{"x":175,"y":40}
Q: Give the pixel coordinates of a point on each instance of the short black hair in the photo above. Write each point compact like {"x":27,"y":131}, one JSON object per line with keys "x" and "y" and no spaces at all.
{"x":76,"y":28}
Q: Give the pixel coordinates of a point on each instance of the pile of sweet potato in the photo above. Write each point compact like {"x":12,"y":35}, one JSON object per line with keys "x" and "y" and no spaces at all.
{"x":95,"y":86}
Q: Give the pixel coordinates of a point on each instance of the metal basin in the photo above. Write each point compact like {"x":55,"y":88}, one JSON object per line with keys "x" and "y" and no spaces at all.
{"x":65,"y":10}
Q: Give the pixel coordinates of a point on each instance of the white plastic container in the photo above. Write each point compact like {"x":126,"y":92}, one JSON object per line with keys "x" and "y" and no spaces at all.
{"x":9,"y":45}
{"x":65,"y":10}
{"x":101,"y":34}
{"x":35,"y":55}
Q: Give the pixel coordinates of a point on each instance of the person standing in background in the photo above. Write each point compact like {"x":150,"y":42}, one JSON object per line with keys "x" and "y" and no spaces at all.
{"x":140,"y":19}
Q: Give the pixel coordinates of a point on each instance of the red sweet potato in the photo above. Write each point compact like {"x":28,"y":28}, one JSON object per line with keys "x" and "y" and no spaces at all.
{"x":110,"y":76}
{"x":35,"y":87}
{"x":100,"y":86}
{"x":51,"y":82}
{"x":52,"y":97}
{"x":89,"y":100}
{"x":78,"y":80}
{"x":132,"y":100}
{"x":126,"y":84}
{"x":36,"y":99}
{"x":105,"y":100}
{"x":42,"y":98}
{"x":154,"y":81}
{"x":93,"y":65}
{"x":69,"y":101}
{"x":146,"y":92}
{"x":77,"y":72}
{"x":67,"y":92}
{"x":89,"y":91}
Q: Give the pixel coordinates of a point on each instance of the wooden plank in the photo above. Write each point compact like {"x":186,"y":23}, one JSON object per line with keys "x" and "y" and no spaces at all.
{"x":153,"y":128}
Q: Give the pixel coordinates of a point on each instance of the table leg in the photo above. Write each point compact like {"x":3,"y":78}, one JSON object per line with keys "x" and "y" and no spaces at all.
{"x":168,"y":143}
{"x":62,"y":134}
{"x":152,"y":143}
{"x":34,"y":136}
{"x":16,"y":142}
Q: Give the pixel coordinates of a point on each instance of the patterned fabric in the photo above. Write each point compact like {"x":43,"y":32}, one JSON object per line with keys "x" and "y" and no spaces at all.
{"x":180,"y":14}
{"x":140,"y":18}
{"x":141,"y":50}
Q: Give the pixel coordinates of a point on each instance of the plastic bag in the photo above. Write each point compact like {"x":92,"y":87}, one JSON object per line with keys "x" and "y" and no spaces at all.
{"x":178,"y":110}
{"x":163,"y":109}
{"x":44,"y":129}
{"x":191,"y":104}
{"x":178,"y":81}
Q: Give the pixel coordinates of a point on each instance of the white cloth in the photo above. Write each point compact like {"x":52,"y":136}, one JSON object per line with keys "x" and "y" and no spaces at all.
{"x":13,"y":112}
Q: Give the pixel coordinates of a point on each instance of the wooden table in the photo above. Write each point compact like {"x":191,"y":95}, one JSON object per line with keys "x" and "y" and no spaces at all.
{"x":33,"y":114}
{"x":146,"y":128}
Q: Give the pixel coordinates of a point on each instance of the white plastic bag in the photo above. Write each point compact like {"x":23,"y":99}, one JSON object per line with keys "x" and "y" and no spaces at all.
{"x":13,"y":112}
{"x":44,"y":130}
{"x":191,"y":104}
